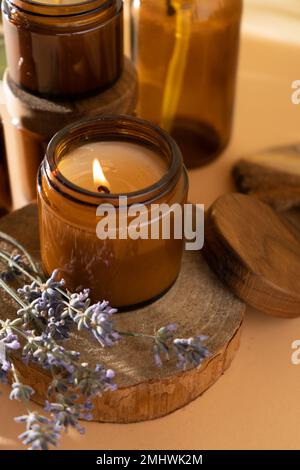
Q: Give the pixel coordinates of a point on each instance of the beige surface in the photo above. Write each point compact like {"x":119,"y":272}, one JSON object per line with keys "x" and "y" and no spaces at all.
{"x":256,"y":403}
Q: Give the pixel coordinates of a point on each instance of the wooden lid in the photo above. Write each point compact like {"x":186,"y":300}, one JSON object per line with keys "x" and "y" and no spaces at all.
{"x":252,"y":250}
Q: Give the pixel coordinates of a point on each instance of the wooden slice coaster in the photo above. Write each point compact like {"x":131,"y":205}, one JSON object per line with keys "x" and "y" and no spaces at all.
{"x":198,"y":303}
{"x":255,"y":252}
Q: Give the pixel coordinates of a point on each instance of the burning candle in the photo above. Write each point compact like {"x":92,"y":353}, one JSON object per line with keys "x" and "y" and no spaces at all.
{"x":64,"y":48}
{"x":89,"y":165}
{"x":112,"y":167}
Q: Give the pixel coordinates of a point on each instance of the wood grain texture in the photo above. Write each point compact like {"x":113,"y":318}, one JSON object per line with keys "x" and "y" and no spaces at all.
{"x":281,"y":199}
{"x":268,"y":170}
{"x":255,"y":253}
{"x":198,"y":302}
{"x":45,"y":117}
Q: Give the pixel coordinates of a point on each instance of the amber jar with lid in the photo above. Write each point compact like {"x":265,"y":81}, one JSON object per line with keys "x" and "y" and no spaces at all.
{"x":30,"y":121}
{"x":186,"y":53}
{"x":125,"y":272}
{"x":64,"y":49}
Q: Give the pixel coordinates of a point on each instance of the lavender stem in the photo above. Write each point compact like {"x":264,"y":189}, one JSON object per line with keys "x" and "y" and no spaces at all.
{"x":20,"y":247}
{"x":12,"y":293}
{"x":135,"y":335}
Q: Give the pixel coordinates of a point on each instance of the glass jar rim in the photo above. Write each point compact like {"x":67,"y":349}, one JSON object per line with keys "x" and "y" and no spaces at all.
{"x":70,"y":9}
{"x":121,"y":125}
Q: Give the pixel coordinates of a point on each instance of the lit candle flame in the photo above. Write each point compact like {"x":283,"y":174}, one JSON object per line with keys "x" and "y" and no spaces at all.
{"x":100,"y":181}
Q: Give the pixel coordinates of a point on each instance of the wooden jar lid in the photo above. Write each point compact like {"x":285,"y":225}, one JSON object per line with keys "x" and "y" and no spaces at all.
{"x":252,"y":250}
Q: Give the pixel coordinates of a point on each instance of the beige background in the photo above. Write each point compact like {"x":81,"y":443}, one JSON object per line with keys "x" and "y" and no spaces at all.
{"x":256,"y":404}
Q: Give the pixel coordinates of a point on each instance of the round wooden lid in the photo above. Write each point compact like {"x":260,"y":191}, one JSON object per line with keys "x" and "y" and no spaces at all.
{"x":252,"y":250}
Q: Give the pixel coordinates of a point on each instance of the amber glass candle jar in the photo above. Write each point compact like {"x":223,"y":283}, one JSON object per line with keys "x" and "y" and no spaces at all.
{"x":64,"y":49}
{"x":128,"y":271}
{"x":186,"y":53}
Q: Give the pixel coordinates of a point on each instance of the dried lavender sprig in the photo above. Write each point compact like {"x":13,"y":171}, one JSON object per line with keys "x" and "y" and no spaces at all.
{"x":12,"y":272}
{"x":40,"y":431}
{"x":162,"y":347}
{"x":191,"y":351}
{"x":67,"y":410}
{"x":38,"y":280}
{"x":75,"y":309}
{"x":97,"y":319}
{"x":66,"y":369}
{"x":20,"y":247}
{"x":47,"y":353}
{"x":15,"y":263}
{"x":72,"y":303}
{"x":47,"y":304}
{"x":8,"y":342}
{"x":12,"y":292}
{"x":25,"y":307}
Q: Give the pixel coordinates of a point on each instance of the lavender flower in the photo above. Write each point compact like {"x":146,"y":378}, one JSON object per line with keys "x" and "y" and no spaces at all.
{"x":5,"y":367}
{"x":21,"y":392}
{"x":8,"y":341}
{"x":47,"y":303}
{"x":98,"y":320}
{"x":92,"y":382}
{"x":66,"y":412}
{"x":190,"y":351}
{"x":49,"y":288}
{"x":89,"y":383}
{"x":40,"y":433}
{"x":44,"y":351}
{"x":78,"y":302}
{"x":161,"y":346}
{"x":11,"y":341}
{"x":12,"y":271}
{"x":69,"y":371}
{"x":58,"y":328}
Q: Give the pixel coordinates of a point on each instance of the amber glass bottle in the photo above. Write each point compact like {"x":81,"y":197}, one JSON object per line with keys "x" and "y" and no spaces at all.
{"x":66,"y":48}
{"x":186,"y":52}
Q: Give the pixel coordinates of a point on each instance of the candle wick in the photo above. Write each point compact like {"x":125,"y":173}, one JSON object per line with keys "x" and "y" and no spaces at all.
{"x":103,"y":189}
